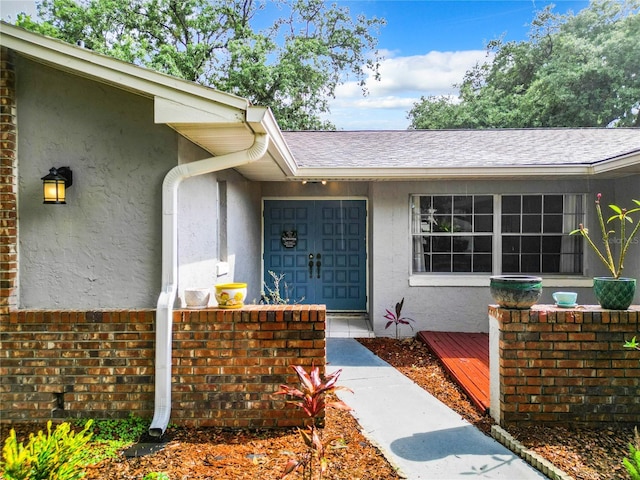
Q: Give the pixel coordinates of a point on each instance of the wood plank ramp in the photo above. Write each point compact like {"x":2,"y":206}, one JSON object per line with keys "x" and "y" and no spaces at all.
{"x":465,"y":356}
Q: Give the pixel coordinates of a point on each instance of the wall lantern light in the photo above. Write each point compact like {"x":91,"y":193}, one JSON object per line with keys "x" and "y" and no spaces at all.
{"x":55,"y":184}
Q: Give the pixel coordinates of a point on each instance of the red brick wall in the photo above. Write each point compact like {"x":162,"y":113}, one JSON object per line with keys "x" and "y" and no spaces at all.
{"x":226,"y":364}
{"x":8,"y":186}
{"x":567,"y":366}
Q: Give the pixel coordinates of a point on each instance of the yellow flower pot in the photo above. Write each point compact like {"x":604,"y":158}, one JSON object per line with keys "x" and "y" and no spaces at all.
{"x":231,"y":295}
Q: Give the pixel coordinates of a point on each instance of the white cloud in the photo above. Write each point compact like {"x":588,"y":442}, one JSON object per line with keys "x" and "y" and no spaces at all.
{"x":403,"y":81}
{"x":9,"y":9}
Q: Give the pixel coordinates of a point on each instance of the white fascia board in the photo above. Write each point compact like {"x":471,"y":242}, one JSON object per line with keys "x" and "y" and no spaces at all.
{"x":261,"y":120}
{"x":86,"y":63}
{"x":625,"y":161}
{"x":199,"y":111}
{"x":399,"y":173}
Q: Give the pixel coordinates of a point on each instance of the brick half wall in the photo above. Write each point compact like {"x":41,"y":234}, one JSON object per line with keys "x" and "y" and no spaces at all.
{"x":568,"y":367}
{"x":226,"y":364}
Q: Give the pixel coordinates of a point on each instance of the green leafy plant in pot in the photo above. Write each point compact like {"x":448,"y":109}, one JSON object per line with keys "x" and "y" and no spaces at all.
{"x":615,"y":292}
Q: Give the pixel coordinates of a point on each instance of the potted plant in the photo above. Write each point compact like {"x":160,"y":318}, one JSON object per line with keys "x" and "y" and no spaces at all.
{"x":519,"y":292}
{"x":615,"y":292}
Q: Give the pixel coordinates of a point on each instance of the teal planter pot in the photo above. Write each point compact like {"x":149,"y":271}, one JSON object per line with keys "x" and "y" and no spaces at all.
{"x":518,"y":292}
{"x":614,"y":293}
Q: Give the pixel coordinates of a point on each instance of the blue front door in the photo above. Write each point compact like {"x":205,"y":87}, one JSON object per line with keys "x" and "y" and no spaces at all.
{"x":320,"y":247}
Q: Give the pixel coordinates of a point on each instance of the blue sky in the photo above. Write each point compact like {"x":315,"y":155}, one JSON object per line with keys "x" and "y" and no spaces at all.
{"x":428,"y":45}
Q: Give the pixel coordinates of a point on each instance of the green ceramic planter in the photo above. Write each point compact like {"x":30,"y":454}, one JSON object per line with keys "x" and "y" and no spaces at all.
{"x":614,"y":293}
{"x":519,"y":292}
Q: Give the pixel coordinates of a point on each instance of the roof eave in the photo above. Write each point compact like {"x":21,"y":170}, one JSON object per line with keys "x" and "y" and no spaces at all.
{"x":124,"y":75}
{"x":194,"y":111}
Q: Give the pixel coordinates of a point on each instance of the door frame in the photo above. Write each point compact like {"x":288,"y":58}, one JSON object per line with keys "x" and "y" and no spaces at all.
{"x":319,"y":199}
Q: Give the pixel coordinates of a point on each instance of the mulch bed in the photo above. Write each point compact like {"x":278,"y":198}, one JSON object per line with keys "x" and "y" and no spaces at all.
{"x":210,"y":453}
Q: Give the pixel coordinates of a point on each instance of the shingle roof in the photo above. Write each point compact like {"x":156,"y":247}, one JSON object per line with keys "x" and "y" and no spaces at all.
{"x":461,"y":148}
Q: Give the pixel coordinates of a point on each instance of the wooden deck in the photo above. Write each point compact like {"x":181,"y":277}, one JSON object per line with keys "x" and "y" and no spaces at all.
{"x":466,"y":357}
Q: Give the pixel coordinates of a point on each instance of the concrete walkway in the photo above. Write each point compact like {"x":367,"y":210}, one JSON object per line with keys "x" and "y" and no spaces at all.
{"x":418,"y":434}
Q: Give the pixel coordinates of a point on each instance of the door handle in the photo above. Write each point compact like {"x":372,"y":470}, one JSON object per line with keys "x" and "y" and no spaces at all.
{"x":311,"y":265}
{"x":318,"y":264}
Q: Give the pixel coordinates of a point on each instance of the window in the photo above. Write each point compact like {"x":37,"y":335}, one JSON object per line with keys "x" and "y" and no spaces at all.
{"x":458,"y":233}
{"x":535,"y":233}
{"x":452,"y":233}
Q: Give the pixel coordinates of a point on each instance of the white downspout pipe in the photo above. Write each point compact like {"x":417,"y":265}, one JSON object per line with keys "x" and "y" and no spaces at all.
{"x":167,"y":298}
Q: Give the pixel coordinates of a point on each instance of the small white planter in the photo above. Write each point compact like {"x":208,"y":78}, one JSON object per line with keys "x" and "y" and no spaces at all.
{"x":197,"y":297}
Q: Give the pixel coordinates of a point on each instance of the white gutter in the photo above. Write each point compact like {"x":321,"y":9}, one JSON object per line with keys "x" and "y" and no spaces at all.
{"x":164,"y":311}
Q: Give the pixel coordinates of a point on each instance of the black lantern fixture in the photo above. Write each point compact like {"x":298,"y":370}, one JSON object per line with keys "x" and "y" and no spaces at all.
{"x":55,"y":184}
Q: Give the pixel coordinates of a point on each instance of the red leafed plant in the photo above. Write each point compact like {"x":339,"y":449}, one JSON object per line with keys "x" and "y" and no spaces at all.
{"x":397,"y":317}
{"x":310,"y":397}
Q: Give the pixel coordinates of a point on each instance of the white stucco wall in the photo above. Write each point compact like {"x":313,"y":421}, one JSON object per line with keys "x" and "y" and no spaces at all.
{"x":197,"y":220}
{"x":625,"y":190}
{"x":199,"y":238}
{"x":245,"y":233}
{"x":102,"y":249}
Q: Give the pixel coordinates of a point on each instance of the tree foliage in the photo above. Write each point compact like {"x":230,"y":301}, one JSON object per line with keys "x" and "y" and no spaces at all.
{"x":292,"y":65}
{"x":579,"y":70}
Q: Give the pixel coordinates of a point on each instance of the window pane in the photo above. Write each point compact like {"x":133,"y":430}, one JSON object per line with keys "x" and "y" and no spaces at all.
{"x":442,"y":204}
{"x":552,"y":223}
{"x":483,"y":204}
{"x":550,"y":263}
{"x":531,"y":244}
{"x":511,"y":263}
{"x":462,"y":223}
{"x":530,"y":263}
{"x":511,"y":245}
{"x":482,"y":244}
{"x":511,"y":223}
{"x":461,"y":244}
{"x":552,"y":244}
{"x":531,"y":224}
{"x":462,"y":263}
{"x":511,"y":204}
{"x":482,"y":263}
{"x":553,"y":204}
{"x":483,"y":223}
{"x":463,"y":204}
{"x":441,"y":263}
{"x":441,"y":244}
{"x":425,"y":204}
{"x":443,"y":223}
{"x":532,"y":204}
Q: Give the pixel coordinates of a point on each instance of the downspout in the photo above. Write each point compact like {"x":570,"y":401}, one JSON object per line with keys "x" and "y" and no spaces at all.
{"x":167,"y":298}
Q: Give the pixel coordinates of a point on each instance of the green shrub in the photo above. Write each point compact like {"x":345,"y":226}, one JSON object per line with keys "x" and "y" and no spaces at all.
{"x":127,"y":430}
{"x":112,"y":435}
{"x":54,"y":456}
{"x":156,"y":476}
{"x":632,"y":464}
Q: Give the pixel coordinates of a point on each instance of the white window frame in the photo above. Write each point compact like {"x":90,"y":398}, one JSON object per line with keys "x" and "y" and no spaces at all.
{"x":429,"y":279}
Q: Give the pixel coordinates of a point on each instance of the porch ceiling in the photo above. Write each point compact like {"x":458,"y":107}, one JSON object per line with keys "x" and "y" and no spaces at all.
{"x":220,"y":139}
